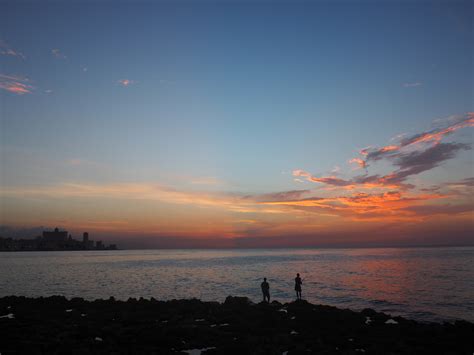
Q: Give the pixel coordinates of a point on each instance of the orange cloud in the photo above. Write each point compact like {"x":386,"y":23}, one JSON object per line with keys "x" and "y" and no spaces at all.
{"x":391,"y":205}
{"x":362,"y":182}
{"x":361,"y":163}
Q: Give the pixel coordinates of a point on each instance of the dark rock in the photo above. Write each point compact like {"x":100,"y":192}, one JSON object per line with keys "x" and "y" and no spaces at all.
{"x":237,"y":301}
{"x":42,"y":326}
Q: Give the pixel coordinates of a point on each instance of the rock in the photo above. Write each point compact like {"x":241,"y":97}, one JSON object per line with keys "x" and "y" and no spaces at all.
{"x":237,"y":301}
{"x":41,"y":325}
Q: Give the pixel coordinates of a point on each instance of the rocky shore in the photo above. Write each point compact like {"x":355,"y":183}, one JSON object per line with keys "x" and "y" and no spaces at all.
{"x":56,"y":325}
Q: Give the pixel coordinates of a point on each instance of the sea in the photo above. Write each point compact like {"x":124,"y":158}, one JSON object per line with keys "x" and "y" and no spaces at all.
{"x":424,"y":284}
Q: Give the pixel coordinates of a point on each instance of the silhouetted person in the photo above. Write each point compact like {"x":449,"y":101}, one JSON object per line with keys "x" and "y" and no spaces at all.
{"x":265,"y":290}
{"x":298,"y":283}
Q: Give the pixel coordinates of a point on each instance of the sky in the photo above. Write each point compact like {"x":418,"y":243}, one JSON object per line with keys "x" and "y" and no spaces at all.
{"x":238,"y":123}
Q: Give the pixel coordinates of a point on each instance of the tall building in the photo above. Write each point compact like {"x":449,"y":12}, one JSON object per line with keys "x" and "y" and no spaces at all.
{"x":85,"y":238}
{"x":56,"y":236}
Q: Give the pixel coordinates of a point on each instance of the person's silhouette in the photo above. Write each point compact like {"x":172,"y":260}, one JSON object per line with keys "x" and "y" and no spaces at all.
{"x":265,"y":290}
{"x":298,"y":283}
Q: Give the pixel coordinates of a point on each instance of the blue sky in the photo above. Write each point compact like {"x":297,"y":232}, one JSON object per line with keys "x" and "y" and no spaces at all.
{"x":225,"y":96}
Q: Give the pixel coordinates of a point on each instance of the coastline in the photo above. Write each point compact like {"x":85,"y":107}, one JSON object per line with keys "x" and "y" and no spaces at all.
{"x":237,"y":326}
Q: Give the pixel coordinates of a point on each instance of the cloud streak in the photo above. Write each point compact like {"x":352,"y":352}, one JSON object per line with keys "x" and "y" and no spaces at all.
{"x":6,"y":50}
{"x":412,"y":85}
{"x":413,"y":155}
{"x":15,"y":84}
{"x":432,"y":136}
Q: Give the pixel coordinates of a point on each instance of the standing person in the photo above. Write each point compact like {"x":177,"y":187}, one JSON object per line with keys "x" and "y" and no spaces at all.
{"x":298,"y":283}
{"x":265,"y":290}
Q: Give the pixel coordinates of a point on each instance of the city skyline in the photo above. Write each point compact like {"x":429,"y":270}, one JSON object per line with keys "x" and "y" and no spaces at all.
{"x":178,"y":124}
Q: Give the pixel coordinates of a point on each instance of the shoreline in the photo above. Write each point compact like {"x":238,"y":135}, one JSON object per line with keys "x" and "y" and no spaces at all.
{"x":237,"y":326}
{"x":316,"y":247}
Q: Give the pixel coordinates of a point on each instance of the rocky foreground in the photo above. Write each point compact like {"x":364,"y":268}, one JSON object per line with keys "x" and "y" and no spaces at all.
{"x":56,"y":325}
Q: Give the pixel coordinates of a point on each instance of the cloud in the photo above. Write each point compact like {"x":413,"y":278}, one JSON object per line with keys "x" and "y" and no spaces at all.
{"x":417,"y":162}
{"x":356,"y":206}
{"x":279,"y":196}
{"x":206,"y":180}
{"x":447,"y":209}
{"x":58,"y":54}
{"x":467,"y":182}
{"x":330,"y":180}
{"x":139,"y":191}
{"x":432,"y":136}
{"x":412,"y":85}
{"x":361,"y":163}
{"x":411,"y":156}
{"x":5,"y":49}
{"x":361,"y":181}
{"x":15,"y":84}
{"x":126,"y":82}
{"x":335,"y":170}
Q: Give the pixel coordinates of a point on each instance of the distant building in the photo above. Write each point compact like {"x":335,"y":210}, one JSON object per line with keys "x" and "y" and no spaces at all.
{"x":55,"y":240}
{"x":56,"y":236}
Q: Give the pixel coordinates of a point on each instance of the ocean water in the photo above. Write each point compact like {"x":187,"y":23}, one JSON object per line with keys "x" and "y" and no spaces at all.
{"x":427,"y":284}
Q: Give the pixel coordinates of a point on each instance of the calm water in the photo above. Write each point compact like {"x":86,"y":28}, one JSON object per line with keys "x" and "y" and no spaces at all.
{"x":419,"y":283}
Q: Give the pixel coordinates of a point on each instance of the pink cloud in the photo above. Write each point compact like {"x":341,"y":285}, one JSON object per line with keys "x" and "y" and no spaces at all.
{"x":432,"y":136}
{"x":126,"y":82}
{"x":15,"y":84}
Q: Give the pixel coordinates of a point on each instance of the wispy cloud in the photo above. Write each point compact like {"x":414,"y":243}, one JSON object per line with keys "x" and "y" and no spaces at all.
{"x":206,"y":180}
{"x":279,"y":196}
{"x":412,"y":84}
{"x":16,"y":84}
{"x":141,"y":191}
{"x":417,"y":162}
{"x":126,"y":82}
{"x":361,"y":163}
{"x":7,"y":50}
{"x":432,"y":136}
{"x":392,"y":205}
{"x":411,"y":156}
{"x":57,"y":53}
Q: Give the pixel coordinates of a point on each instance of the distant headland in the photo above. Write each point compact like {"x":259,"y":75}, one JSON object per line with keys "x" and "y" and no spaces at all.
{"x":54,"y":240}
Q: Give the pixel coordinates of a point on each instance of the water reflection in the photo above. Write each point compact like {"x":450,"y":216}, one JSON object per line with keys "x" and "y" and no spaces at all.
{"x":422,"y":283}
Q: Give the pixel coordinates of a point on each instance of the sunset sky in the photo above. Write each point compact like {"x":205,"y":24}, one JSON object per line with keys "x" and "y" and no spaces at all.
{"x":238,"y":124}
